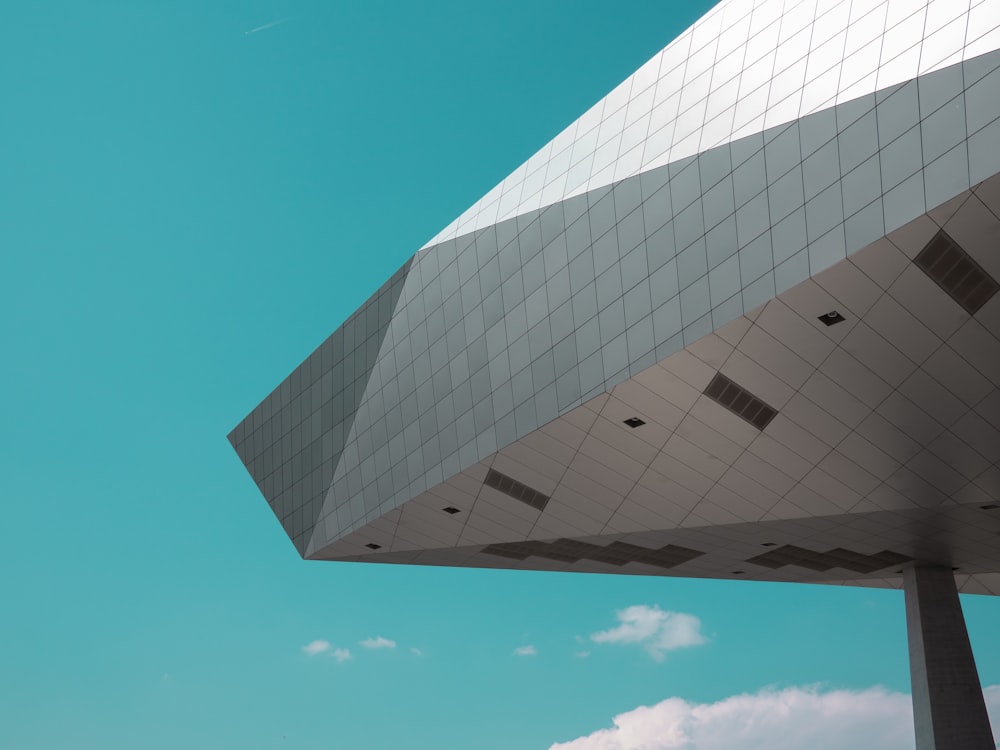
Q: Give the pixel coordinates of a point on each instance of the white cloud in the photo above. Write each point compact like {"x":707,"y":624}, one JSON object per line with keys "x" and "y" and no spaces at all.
{"x":787,"y":719}
{"x":378,"y":642}
{"x":525,"y":651}
{"x":416,"y":651}
{"x":341,"y":654}
{"x":581,"y":654}
{"x":316,"y":647}
{"x":655,"y":629}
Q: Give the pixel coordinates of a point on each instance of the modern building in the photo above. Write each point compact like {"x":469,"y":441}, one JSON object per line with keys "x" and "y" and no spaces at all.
{"x":739,"y":320}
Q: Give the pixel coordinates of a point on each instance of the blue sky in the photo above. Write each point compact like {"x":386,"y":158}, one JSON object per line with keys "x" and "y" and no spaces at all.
{"x":186,"y":211}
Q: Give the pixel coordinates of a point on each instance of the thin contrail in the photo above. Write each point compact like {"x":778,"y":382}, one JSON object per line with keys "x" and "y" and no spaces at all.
{"x":267,"y":26}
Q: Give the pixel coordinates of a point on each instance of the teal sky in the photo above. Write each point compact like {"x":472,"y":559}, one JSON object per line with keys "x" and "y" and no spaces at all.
{"x":186,"y":211}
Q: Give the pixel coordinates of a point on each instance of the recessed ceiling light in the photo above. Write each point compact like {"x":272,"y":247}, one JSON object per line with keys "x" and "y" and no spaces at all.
{"x":830,"y":318}
{"x":634,"y":422}
{"x":372,"y":545}
{"x":451,"y":510}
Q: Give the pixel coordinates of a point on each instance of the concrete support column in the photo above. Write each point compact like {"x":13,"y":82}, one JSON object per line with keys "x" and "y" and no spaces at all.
{"x":949,"y":712}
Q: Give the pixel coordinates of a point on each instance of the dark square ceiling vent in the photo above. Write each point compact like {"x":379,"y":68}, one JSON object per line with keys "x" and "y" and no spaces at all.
{"x":451,"y":511}
{"x":372,"y":545}
{"x":955,"y":271}
{"x":634,"y":422}
{"x":740,"y":401}
{"x":830,"y":318}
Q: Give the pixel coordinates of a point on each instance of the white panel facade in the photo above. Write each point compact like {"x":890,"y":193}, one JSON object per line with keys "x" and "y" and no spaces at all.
{"x":742,"y":68}
{"x":749,"y":216}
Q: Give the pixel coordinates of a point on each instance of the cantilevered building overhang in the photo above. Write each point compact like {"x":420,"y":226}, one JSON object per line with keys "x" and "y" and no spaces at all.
{"x":739,"y":320}
{"x":704,"y":219}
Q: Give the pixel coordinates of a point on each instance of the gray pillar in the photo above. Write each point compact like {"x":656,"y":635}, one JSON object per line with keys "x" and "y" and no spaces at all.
{"x":949,"y":712}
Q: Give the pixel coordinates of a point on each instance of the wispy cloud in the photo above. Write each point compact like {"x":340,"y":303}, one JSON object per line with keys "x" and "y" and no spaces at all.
{"x":416,"y":651}
{"x":319,"y":646}
{"x":658,"y":631}
{"x":378,"y":642}
{"x":581,"y":654}
{"x":268,"y":25}
{"x":525,"y":651}
{"x":316,"y":647}
{"x":779,"y":720}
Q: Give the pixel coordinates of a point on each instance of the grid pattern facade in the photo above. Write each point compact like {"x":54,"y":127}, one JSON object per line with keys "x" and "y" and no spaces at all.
{"x":745,"y":67}
{"x":292,"y":441}
{"x":501,"y":331}
{"x":516,"y":347}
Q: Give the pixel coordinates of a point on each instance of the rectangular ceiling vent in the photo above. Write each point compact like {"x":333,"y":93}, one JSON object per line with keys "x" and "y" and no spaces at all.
{"x":740,"y":401}
{"x":510,"y":486}
{"x":955,"y":271}
{"x":821,"y":562}
{"x":616,"y":553}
